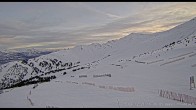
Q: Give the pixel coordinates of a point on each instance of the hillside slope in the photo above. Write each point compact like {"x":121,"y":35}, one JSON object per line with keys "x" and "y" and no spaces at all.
{"x":128,"y":72}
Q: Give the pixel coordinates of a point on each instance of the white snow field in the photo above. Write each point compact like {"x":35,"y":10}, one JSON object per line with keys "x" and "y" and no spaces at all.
{"x":124,"y":73}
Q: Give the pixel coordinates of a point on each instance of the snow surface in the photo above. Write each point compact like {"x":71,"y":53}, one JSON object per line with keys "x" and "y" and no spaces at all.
{"x":139,"y":61}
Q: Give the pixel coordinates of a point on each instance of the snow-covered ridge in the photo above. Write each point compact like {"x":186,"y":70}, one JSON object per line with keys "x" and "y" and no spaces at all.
{"x":86,"y":54}
{"x":147,"y":62}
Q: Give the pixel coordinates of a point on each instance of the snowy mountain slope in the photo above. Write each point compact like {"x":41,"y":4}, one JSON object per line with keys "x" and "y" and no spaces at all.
{"x":99,"y":75}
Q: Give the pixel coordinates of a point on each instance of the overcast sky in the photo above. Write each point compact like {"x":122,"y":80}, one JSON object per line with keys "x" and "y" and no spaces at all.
{"x":66,"y":24}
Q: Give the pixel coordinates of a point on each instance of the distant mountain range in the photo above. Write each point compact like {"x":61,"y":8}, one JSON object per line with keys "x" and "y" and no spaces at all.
{"x":21,"y":54}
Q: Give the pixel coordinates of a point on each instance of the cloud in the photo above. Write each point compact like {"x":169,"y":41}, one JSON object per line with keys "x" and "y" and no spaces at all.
{"x":89,"y":7}
{"x":155,"y":20}
{"x":81,"y":23}
{"x":6,"y":36}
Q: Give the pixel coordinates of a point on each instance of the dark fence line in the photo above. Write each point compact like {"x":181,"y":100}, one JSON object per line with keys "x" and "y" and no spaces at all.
{"x":140,"y":62}
{"x":75,"y":82}
{"x":109,"y":75}
{"x":87,"y":83}
{"x":181,"y":55}
{"x":192,"y":55}
{"x":82,"y":76}
{"x":193,"y":65}
{"x":124,"y":89}
{"x":117,"y":88}
{"x":173,"y":61}
{"x":155,"y":61}
{"x":177,"y":96}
